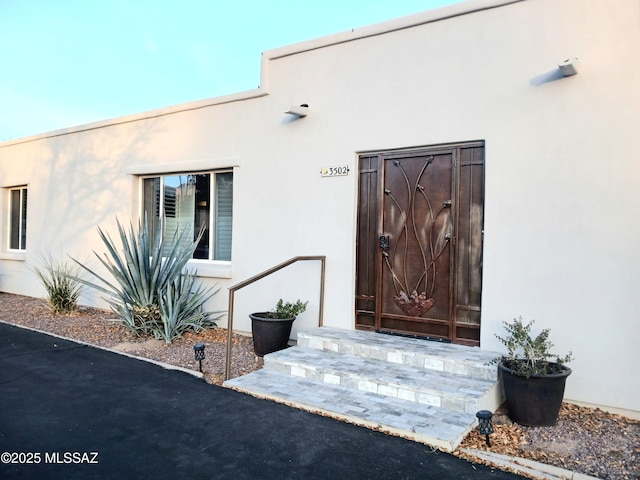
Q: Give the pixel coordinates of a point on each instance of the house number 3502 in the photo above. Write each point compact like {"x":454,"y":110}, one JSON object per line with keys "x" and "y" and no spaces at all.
{"x":334,"y":171}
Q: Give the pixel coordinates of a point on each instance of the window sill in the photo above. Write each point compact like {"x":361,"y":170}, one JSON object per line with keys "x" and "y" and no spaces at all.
{"x":17,"y":256}
{"x":210,"y":269}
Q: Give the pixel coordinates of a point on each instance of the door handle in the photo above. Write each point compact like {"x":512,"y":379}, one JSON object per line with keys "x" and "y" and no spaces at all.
{"x":384,"y":242}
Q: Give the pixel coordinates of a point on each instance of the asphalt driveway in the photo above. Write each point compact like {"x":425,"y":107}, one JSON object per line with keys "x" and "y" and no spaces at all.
{"x":71,"y":411}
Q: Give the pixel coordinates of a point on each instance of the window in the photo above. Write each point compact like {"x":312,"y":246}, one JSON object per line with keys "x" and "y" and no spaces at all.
{"x":18,"y":218}
{"x":193,"y":201}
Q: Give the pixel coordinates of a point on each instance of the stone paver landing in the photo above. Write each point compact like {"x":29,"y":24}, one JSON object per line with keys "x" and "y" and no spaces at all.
{"x":418,"y":389}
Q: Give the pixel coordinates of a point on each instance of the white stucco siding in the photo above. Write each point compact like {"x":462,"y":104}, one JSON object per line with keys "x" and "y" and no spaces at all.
{"x":561,"y":197}
{"x":562,"y":208}
{"x":75,"y":183}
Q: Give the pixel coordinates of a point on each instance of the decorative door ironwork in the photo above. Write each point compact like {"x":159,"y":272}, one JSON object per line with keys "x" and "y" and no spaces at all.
{"x":420,"y":242}
{"x":418,"y":230}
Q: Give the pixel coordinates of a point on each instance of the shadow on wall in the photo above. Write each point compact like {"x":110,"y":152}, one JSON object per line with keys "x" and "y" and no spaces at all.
{"x":547,"y":77}
{"x":85,"y":185}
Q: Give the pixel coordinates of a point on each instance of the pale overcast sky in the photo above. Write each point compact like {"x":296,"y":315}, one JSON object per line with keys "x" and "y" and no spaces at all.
{"x":70,"y":62}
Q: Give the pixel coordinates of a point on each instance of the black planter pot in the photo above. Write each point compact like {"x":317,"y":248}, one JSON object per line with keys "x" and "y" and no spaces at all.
{"x":534,"y":401}
{"x":269,"y":334}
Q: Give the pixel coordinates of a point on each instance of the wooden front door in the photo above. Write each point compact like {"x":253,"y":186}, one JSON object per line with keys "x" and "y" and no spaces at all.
{"x":419,"y":245}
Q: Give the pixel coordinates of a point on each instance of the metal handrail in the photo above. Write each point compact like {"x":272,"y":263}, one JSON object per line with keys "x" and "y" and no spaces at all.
{"x":260,"y":276}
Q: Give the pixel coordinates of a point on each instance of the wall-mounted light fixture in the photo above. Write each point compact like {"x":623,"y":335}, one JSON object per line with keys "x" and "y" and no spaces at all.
{"x":300,"y":111}
{"x":568,"y":66}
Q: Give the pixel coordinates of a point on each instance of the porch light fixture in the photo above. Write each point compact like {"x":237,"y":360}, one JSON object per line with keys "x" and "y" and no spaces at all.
{"x":300,"y":111}
{"x":198,"y":350}
{"x":568,"y":67}
{"x":484,"y":424}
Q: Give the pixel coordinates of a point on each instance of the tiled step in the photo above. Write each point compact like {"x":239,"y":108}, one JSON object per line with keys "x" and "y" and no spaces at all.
{"x":434,"y":426}
{"x":422,"y":390}
{"x":416,"y":384}
{"x":440,"y":356}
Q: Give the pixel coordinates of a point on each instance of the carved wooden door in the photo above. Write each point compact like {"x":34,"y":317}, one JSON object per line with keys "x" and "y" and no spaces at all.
{"x":419,"y":250}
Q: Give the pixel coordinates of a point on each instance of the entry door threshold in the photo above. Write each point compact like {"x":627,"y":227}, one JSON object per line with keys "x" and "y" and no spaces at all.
{"x":410,"y":335}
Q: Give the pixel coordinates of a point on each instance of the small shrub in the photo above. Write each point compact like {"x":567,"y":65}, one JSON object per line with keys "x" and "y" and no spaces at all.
{"x":528,"y":356}
{"x":288,"y":309}
{"x":62,"y":290}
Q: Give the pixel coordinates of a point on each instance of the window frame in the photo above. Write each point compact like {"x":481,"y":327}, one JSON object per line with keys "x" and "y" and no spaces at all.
{"x":23,"y":199}
{"x":209,"y":263}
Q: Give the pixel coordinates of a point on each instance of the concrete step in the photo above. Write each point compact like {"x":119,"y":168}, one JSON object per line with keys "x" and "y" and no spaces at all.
{"x":440,"y":356}
{"x":415,"y":384}
{"x":422,"y":390}
{"x":438,"y":427}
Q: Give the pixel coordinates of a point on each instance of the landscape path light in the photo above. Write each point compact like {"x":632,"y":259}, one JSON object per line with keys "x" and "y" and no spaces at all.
{"x":485,"y":425}
{"x":198,"y":350}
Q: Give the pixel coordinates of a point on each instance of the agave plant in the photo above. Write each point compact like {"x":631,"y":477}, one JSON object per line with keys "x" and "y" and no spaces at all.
{"x":149,"y":290}
{"x":181,"y":308}
{"x":62,"y":290}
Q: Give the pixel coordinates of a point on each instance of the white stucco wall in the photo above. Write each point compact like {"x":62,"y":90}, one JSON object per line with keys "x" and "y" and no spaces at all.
{"x":562,"y":203}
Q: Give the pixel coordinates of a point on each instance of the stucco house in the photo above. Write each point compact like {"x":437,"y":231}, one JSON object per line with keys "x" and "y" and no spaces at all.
{"x":445,"y":152}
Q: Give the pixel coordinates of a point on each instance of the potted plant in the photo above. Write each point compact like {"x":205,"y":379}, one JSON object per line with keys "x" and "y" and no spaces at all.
{"x":271,"y":330}
{"x":533,"y":378}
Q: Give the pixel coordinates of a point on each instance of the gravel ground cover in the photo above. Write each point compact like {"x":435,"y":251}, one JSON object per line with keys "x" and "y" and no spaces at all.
{"x":101,"y":327}
{"x":584,"y":440}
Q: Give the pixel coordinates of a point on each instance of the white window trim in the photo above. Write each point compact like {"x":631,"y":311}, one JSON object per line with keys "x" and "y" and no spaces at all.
{"x":210,"y":268}
{"x":204,"y":165}
{"x":14,"y":253}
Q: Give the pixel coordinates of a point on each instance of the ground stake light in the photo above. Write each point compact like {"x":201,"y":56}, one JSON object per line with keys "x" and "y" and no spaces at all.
{"x":484,"y":424}
{"x":198,"y":350}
